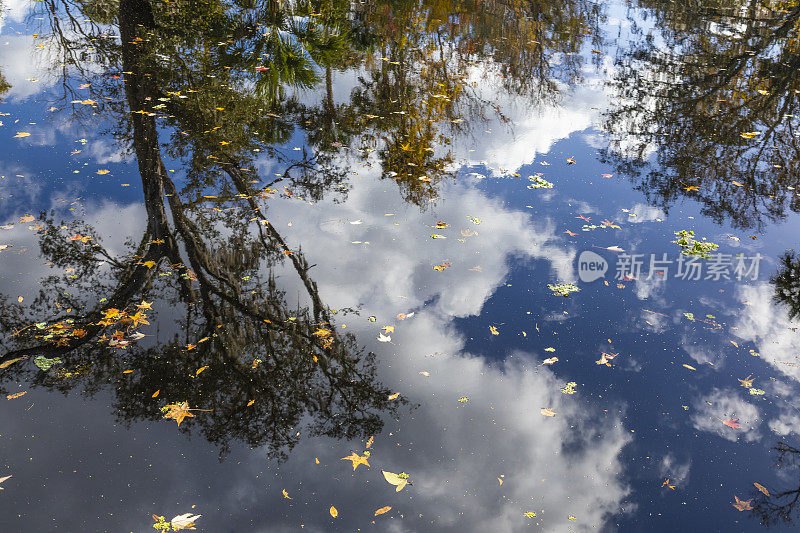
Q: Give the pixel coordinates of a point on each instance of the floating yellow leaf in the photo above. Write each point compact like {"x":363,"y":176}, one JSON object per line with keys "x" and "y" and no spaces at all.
{"x":333,"y":511}
{"x":762,"y":488}
{"x":370,"y":441}
{"x":11,"y":361}
{"x":251,"y":402}
{"x":383,"y":510}
{"x":357,"y":459}
{"x":570,"y":388}
{"x":16,"y":395}
{"x":21,"y":134}
{"x":690,"y":367}
{"x":177,"y":411}
{"x":398,"y":480}
{"x":156,"y":393}
{"x":548,"y":412}
{"x":200,"y":370}
{"x":550,"y":360}
{"x":493,"y":330}
{"x":286,"y":494}
{"x":127,"y":371}
{"x":394,"y":396}
{"x":184,"y":521}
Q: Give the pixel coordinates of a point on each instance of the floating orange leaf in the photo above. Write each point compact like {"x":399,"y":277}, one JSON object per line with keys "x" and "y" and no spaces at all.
{"x":762,"y":488}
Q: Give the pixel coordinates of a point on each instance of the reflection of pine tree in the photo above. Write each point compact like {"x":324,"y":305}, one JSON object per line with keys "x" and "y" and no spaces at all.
{"x":787,"y":283}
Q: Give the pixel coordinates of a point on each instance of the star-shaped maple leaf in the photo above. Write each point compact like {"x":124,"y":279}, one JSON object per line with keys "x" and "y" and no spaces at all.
{"x":357,"y":459}
{"x":691,"y":188}
{"x":177,"y":411}
{"x":144,"y":305}
{"x":742,"y":505}
{"x":732,"y":423}
{"x":747,"y":382}
{"x":666,"y":484}
{"x":139,"y":318}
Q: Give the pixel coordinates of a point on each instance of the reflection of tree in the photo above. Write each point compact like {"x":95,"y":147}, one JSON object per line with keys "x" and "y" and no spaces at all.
{"x":4,"y":85}
{"x":271,"y":370}
{"x":421,"y":91}
{"x":779,"y":507}
{"x":224,"y":83}
{"x":717,"y":106}
{"x":787,"y":283}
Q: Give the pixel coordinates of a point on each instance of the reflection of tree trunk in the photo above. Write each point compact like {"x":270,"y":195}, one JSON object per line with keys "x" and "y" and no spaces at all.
{"x":328,"y":91}
{"x":153,"y":173}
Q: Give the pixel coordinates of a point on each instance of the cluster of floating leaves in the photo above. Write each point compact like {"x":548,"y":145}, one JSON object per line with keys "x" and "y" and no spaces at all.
{"x":538,"y":182}
{"x":563,"y":289}
{"x":692,"y":247}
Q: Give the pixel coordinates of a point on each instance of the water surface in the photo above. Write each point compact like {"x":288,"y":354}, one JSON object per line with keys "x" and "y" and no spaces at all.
{"x":242,"y":241}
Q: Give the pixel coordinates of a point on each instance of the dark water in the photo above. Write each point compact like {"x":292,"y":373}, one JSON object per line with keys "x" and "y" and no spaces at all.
{"x":337,"y":229}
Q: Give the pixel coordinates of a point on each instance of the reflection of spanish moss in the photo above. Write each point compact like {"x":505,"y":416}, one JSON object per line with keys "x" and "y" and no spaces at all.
{"x":787,"y":283}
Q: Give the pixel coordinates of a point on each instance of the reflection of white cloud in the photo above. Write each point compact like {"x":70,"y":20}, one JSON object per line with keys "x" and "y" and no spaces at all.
{"x":536,"y":128}
{"x":556,"y":467}
{"x":650,"y":288}
{"x":14,"y":10}
{"x":655,"y":322}
{"x":767,"y":324}
{"x":642,"y":213}
{"x":106,"y":152}
{"x":674,"y":469}
{"x":113,"y":223}
{"x":713,"y":408}
{"x":23,"y":66}
{"x":703,"y":354}
{"x":785,"y":424}
{"x":407,"y":254}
